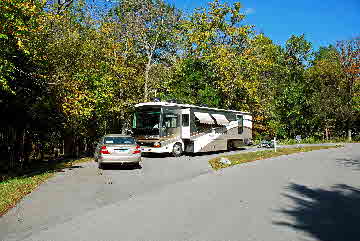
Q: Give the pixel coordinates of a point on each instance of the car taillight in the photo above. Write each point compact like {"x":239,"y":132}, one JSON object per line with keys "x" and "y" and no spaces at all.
{"x":137,"y":150}
{"x":104,"y":150}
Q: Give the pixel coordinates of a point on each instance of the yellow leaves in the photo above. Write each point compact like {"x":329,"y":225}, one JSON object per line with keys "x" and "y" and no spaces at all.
{"x":18,"y":19}
{"x":107,"y":28}
{"x":20,"y":44}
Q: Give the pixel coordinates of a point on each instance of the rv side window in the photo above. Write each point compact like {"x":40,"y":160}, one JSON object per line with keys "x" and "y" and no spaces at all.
{"x":170,"y":121}
{"x":185,"y":120}
{"x":240,"y":120}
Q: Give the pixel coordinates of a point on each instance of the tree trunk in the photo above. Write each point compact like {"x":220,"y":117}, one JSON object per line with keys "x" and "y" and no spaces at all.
{"x":69,"y":146}
{"x":76,"y":147}
{"x":349,"y":129}
{"x":147,"y":70}
{"x":327,"y":133}
{"x":349,"y":134}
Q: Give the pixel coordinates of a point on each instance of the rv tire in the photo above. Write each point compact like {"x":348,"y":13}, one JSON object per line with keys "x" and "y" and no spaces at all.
{"x":177,"y":150}
{"x":230,"y":145}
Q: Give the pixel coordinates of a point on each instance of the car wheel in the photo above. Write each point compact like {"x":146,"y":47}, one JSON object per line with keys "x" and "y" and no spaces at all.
{"x":177,"y":150}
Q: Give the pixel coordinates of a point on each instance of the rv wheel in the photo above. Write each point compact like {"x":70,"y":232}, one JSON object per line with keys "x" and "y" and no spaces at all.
{"x":177,"y":150}
{"x":230,"y":146}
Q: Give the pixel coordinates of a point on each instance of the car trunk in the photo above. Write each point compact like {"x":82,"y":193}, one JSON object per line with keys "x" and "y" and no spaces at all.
{"x":120,"y":150}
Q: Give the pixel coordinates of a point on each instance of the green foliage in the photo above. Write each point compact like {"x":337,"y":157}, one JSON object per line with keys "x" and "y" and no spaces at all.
{"x":149,"y":29}
{"x":17,"y":21}
{"x":289,"y":105}
{"x":77,"y":69}
{"x":298,"y":50}
{"x":214,"y":42}
{"x":193,"y":83}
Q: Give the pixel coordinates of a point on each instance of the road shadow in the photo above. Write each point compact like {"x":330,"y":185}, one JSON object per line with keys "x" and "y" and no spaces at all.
{"x":216,"y":152}
{"x":327,"y":215}
{"x":121,"y":166}
{"x":348,"y":162}
{"x":156,"y":155}
{"x":39,"y":167}
{"x":74,"y":167}
{"x":166,"y":155}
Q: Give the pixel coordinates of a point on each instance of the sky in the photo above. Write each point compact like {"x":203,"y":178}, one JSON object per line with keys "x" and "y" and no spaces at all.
{"x":322,"y":21}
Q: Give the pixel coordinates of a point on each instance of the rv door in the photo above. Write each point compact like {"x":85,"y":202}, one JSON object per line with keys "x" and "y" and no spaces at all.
{"x":185,"y":123}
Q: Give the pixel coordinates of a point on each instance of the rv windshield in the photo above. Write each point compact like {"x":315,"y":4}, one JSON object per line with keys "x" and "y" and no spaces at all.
{"x":146,"y":122}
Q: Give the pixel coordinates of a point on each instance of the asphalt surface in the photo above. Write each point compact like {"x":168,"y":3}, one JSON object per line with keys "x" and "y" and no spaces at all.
{"x":304,"y":196}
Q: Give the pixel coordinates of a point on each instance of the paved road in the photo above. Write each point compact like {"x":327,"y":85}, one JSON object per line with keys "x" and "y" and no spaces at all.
{"x":83,"y":188}
{"x":305,"y":196}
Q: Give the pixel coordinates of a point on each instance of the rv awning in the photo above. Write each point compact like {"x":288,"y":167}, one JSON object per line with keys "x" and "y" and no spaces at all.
{"x":220,"y":119}
{"x":204,"y":118}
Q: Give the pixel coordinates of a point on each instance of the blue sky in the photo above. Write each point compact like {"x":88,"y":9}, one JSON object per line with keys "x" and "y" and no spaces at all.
{"x":323,"y":22}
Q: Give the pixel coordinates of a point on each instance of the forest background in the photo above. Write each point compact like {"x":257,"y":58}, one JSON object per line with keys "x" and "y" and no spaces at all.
{"x":72,"y":70}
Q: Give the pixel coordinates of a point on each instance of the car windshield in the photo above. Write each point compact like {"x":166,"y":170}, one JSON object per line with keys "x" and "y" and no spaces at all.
{"x":118,"y":140}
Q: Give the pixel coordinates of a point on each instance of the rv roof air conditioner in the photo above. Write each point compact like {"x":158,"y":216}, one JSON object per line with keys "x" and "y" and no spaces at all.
{"x":173,"y":101}
{"x":156,"y":99}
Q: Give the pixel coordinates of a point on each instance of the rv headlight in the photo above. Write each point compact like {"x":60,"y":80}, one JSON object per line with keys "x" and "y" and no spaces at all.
{"x":157,"y":144}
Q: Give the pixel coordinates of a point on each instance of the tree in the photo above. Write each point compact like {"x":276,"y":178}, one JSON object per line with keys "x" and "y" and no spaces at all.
{"x":349,"y":55}
{"x":92,"y":78}
{"x":192,"y":83}
{"x":263,"y":67}
{"x":17,"y":21}
{"x":290,"y":106}
{"x":20,"y":86}
{"x":325,"y":76}
{"x":217,"y":27}
{"x":150,"y":28}
{"x":213,"y":38}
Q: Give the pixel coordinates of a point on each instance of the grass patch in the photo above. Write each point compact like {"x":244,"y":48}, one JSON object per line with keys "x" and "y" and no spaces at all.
{"x":260,"y":155}
{"x":311,"y":140}
{"x":14,"y":188}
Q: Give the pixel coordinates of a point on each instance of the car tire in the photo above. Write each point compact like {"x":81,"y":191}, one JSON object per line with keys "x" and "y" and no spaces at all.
{"x":177,"y":150}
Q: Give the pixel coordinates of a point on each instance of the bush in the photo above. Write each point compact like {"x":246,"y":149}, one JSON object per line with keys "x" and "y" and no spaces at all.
{"x":287,"y":142}
{"x":315,"y":140}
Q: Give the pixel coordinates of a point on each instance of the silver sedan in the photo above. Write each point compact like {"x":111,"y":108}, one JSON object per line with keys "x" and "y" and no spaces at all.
{"x":117,"y":148}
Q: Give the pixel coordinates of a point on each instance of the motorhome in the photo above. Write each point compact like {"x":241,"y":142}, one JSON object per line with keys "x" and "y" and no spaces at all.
{"x":168,"y":127}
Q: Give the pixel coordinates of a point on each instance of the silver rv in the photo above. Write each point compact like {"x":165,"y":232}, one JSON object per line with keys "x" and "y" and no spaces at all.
{"x":163,"y":127}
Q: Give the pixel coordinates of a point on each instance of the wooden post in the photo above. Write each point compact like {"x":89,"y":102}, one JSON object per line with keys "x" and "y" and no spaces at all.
{"x":275,"y":144}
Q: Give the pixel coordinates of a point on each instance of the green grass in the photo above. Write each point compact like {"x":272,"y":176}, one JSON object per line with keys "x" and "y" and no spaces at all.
{"x":259,"y":155}
{"x":14,"y":188}
{"x":311,"y":140}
